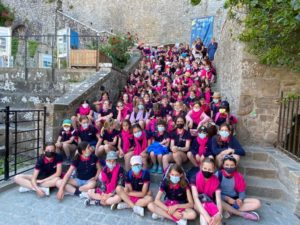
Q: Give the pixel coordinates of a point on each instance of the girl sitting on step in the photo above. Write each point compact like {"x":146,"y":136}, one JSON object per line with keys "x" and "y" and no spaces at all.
{"x":109,"y":138}
{"x":111,"y":176}
{"x":233,"y":191}
{"x":125,"y":143}
{"x":141,"y":143}
{"x":179,"y":145}
{"x":159,"y":147}
{"x":178,"y":202}
{"x":45,"y":175}
{"x":200,"y":148}
{"x":135,"y":194}
{"x":224,"y":143}
{"x":206,"y":194}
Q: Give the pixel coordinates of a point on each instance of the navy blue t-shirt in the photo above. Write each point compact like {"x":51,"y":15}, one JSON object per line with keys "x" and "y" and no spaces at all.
{"x":174,"y":193}
{"x":105,"y":113}
{"x":47,"y":167}
{"x":86,"y":168}
{"x":159,"y":138}
{"x":180,"y":139}
{"x":166,"y":110}
{"x":109,"y":136}
{"x":137,"y":181}
{"x":88,"y":135}
{"x":66,"y":135}
{"x":195,"y":147}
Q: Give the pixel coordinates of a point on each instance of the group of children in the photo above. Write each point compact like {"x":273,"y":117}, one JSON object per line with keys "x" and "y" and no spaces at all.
{"x":166,"y":116}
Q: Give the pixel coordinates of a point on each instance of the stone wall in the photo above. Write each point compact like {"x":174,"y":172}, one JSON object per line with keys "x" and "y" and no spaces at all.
{"x":18,"y":91}
{"x":37,"y":15}
{"x":252,"y":89}
{"x":111,"y":79}
{"x":154,"y":21}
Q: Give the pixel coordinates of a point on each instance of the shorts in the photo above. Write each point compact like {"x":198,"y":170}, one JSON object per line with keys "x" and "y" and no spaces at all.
{"x":81,"y":182}
{"x":134,"y":199}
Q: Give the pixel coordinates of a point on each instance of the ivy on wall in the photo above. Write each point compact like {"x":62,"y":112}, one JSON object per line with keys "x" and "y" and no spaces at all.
{"x":6,"y":16}
{"x":195,"y":2}
{"x":272,"y":30}
{"x":14,"y":46}
{"x":32,"y":47}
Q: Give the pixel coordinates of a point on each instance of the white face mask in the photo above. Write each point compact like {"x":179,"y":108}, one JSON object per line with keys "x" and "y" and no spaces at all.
{"x":85,"y":105}
{"x":66,"y":129}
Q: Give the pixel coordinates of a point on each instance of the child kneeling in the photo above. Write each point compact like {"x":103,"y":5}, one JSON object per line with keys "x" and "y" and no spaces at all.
{"x":110,"y":177}
{"x":136,"y":194}
{"x":178,"y":202}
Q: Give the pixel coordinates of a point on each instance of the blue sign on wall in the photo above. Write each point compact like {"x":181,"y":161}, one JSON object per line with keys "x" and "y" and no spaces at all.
{"x":203,"y":28}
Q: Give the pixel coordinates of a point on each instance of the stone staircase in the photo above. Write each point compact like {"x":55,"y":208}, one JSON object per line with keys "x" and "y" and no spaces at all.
{"x":267,"y":177}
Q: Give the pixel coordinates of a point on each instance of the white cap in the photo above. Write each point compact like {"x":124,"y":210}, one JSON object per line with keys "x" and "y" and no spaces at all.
{"x":136,"y":159}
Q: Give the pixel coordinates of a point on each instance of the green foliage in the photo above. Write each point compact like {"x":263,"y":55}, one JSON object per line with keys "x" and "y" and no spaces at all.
{"x":5,"y":15}
{"x":195,"y":2}
{"x":117,"y":50}
{"x":290,"y":96}
{"x":32,"y":47}
{"x":14,"y":46}
{"x":272,"y":30}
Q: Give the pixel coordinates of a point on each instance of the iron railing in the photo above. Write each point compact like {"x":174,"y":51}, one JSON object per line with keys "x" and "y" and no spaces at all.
{"x":288,"y":138}
{"x":61,"y":51}
{"x":23,"y":133}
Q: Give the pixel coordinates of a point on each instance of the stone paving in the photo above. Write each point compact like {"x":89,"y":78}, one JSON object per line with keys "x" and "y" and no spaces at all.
{"x":27,"y":209}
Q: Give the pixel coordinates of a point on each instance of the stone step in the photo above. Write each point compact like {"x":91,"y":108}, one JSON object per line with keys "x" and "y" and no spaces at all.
{"x":257,"y":168}
{"x":267,"y":188}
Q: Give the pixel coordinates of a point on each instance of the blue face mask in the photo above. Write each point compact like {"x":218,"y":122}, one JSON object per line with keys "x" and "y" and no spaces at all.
{"x":174,"y":179}
{"x":202,"y":135}
{"x":140,"y":107}
{"x":136,"y":169}
{"x":215,"y":100}
{"x":110,"y":165}
{"x":224,"y":134}
{"x":138,"y":134}
{"x":160,"y":129}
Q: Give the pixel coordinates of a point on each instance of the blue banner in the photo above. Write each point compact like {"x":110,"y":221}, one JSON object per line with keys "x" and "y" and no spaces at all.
{"x":203,"y":28}
{"x":74,"y":42}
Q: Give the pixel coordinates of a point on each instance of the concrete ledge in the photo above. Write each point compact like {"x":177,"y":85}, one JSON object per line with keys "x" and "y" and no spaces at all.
{"x":6,"y":185}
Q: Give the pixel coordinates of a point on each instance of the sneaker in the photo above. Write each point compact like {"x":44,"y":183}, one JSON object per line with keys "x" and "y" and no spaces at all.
{"x":153,"y":168}
{"x":155,"y":216}
{"x":159,"y":170}
{"x":226,"y":215}
{"x":46,"y":190}
{"x":83,"y":195}
{"x":123,"y":205}
{"x":182,"y":222}
{"x":24,"y":189}
{"x":251,"y":216}
{"x":138,"y":210}
{"x":113,"y":206}
{"x":89,"y":202}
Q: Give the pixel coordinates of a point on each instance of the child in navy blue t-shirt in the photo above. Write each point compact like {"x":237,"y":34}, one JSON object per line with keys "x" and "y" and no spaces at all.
{"x":87,"y":169}
{"x":178,"y":204}
{"x":109,"y":138}
{"x":46,"y":173}
{"x":136,"y":194}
